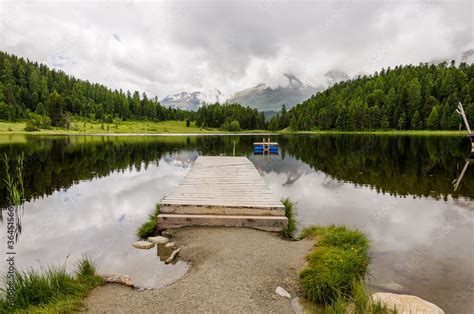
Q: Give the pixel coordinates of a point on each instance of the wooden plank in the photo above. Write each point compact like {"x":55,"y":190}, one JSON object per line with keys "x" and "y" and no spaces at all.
{"x":168,"y":221}
{"x":223,"y":186}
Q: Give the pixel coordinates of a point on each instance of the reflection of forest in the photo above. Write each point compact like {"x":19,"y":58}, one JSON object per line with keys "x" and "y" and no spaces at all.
{"x":401,"y":165}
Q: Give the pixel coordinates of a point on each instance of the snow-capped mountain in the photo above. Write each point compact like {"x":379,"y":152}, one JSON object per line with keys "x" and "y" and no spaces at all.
{"x":335,"y":76}
{"x":190,"y":101}
{"x":266,"y":98}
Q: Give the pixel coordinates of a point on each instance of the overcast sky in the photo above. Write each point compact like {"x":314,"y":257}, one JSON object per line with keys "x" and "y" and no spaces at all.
{"x":167,"y":47}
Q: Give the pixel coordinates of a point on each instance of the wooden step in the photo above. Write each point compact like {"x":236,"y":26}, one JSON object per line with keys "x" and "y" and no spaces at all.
{"x":266,"y":223}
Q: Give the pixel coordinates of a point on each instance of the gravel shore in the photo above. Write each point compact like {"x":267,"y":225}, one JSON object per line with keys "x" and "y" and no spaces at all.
{"x":231,"y":270}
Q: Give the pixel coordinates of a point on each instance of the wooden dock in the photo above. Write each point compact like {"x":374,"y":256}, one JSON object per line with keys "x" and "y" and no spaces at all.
{"x":222,"y":191}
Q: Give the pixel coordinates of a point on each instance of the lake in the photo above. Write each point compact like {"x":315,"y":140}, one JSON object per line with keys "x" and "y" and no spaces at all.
{"x":86,"y":195}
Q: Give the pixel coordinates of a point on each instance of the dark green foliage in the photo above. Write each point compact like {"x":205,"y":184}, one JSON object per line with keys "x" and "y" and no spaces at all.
{"x":149,"y":228}
{"x":389,"y":99}
{"x":35,"y":290}
{"x":188,"y":123}
{"x":36,"y":122}
{"x":339,"y":258}
{"x":224,"y":115}
{"x":27,"y":86}
{"x":290,"y":212}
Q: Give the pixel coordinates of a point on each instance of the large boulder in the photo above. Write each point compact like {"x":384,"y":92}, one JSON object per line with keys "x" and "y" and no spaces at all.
{"x":406,"y":304}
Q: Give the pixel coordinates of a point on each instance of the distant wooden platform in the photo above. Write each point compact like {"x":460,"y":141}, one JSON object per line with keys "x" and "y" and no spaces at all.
{"x":222,"y":191}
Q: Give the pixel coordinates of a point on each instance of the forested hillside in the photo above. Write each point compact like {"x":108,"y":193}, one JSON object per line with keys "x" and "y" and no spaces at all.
{"x":28,"y":87}
{"x":230,"y":117}
{"x":405,"y":98}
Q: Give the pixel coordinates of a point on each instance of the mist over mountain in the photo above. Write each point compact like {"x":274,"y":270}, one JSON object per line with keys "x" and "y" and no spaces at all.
{"x":191,"y":100}
{"x":266,"y":98}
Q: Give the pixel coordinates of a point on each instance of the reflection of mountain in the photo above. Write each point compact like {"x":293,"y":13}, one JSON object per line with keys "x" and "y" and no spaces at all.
{"x":399,"y":165}
{"x":182,"y":159}
{"x":293,"y":169}
{"x":265,"y":98}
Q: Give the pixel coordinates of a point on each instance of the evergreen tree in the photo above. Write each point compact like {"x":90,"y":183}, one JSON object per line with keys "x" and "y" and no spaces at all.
{"x":433,"y":119}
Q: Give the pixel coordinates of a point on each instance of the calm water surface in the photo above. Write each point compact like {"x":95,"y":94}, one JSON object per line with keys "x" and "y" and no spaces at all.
{"x":87,"y":195}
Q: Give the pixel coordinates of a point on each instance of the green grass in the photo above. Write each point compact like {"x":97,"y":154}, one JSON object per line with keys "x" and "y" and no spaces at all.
{"x":149,"y":228}
{"x":290,"y":212}
{"x":339,"y":258}
{"x":383,"y":132}
{"x":50,"y":291}
{"x":359,"y":302}
{"x":122,"y":127}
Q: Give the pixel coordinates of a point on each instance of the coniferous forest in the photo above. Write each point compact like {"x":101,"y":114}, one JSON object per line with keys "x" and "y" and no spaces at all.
{"x":403,"y":98}
{"x":28,"y":87}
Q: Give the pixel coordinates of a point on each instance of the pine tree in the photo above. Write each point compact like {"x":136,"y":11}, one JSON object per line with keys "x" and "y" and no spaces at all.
{"x":433,"y":119}
{"x":55,"y":108}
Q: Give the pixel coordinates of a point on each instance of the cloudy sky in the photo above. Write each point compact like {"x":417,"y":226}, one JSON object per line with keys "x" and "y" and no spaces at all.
{"x":167,"y":47}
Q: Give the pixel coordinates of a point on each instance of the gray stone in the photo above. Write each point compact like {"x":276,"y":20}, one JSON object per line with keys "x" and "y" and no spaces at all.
{"x":282,"y":292}
{"x":158,"y":240}
{"x":144,"y":245}
{"x":406,"y":304}
{"x":119,"y":279}
{"x":173,"y":256}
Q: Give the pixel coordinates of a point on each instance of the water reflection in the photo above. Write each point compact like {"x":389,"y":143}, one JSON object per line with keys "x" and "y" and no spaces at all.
{"x":87,"y":195}
{"x":98,"y":218}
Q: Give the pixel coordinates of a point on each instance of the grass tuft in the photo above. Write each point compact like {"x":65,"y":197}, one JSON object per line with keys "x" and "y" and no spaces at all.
{"x":338,"y":259}
{"x":290,"y":212}
{"x":51,"y":291}
{"x":149,"y":228}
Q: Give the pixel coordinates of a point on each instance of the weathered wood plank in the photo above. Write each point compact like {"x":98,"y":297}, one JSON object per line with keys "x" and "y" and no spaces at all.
{"x":222,"y":191}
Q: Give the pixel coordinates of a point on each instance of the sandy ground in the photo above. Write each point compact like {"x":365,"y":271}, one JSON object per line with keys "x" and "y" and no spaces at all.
{"x":232,"y":270}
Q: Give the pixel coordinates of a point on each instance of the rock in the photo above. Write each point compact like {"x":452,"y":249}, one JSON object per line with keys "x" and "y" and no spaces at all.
{"x":168,"y":232}
{"x":406,"y":304}
{"x":173,"y":255}
{"x":120,"y":279}
{"x":169,"y":244}
{"x":282,"y":292}
{"x":158,"y":240}
{"x":145,"y":245}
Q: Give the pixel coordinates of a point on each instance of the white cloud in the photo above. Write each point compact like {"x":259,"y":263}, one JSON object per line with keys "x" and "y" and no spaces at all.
{"x":169,"y":47}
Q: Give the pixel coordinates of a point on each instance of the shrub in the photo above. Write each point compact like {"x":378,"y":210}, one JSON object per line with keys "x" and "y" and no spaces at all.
{"x":36,"y":122}
{"x":338,"y":259}
{"x":149,"y":228}
{"x":290,"y":211}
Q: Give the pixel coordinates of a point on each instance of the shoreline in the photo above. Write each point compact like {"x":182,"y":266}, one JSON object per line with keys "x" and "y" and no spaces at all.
{"x":171,"y":128}
{"x":229,"y":268}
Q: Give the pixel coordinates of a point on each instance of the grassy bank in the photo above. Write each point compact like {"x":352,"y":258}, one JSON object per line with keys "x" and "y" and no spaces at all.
{"x":123,"y":127}
{"x":336,"y":268}
{"x":149,"y":228}
{"x":385,"y":132}
{"x":53,"y":291}
{"x":179,"y":127}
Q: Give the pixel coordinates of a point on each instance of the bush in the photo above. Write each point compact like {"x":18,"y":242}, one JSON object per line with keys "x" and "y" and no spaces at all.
{"x":36,"y":122}
{"x":149,"y":228}
{"x":290,"y":211}
{"x":338,"y":260}
{"x":233,"y":126}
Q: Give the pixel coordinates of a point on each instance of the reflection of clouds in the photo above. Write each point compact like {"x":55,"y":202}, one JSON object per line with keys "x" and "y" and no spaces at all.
{"x":400,"y":228}
{"x":99,"y":218}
